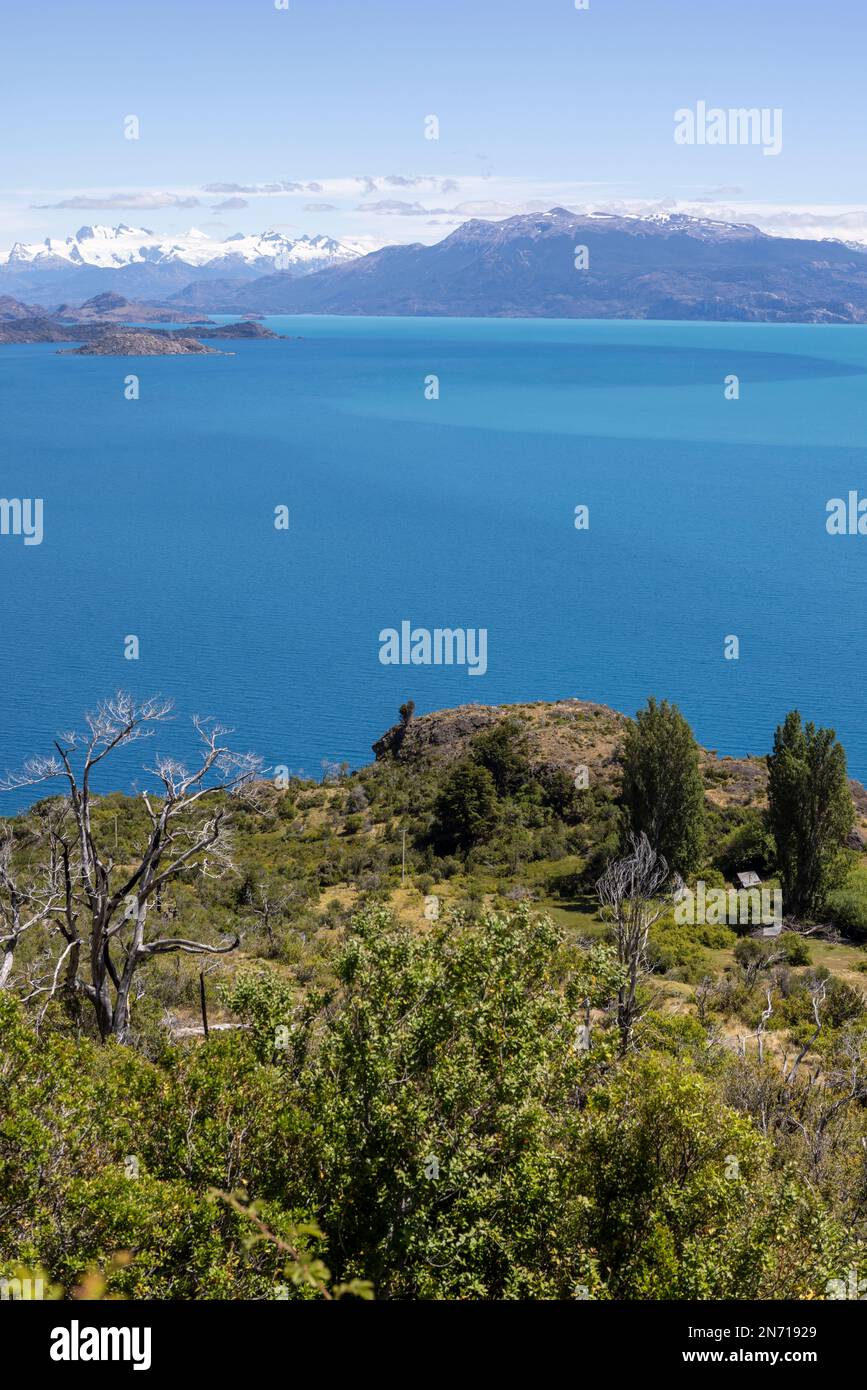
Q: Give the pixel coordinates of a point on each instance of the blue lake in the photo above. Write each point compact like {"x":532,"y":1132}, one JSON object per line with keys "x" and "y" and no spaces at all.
{"x":707,"y":519}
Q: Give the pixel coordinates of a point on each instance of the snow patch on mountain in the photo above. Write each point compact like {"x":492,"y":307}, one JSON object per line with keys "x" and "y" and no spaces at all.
{"x":111,"y":248}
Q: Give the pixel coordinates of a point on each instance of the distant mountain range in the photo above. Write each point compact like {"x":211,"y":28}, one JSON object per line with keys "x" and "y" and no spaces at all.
{"x":671,"y":267}
{"x":134,"y":261}
{"x":556,"y":264}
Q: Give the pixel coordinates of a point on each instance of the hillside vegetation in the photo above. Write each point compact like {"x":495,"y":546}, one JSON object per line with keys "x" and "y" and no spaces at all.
{"x":461,"y":1041}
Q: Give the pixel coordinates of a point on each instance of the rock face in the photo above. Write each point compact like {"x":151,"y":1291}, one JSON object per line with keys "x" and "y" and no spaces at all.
{"x":119,"y":344}
{"x":444,"y":733}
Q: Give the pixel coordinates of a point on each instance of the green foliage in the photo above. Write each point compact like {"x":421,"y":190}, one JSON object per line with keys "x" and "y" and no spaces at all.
{"x":846,"y":906}
{"x":716,"y":938}
{"x":436,"y":1128}
{"x":749,"y":845}
{"x":842,"y":1005}
{"x":502,"y":750}
{"x":684,"y":1201}
{"x":560,"y":794}
{"x":466,"y":809}
{"x":441,"y":1088}
{"x":266,"y":1004}
{"x":663,"y":794}
{"x":796,"y":950}
{"x":414,"y":1107}
{"x":675,"y":951}
{"x":597,"y":974}
{"x":755,"y":955}
{"x":106,"y":1162}
{"x":810,"y":812}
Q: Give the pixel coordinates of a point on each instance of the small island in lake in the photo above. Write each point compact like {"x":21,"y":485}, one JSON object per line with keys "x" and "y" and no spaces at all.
{"x":98,"y":336}
{"x":121,"y":343}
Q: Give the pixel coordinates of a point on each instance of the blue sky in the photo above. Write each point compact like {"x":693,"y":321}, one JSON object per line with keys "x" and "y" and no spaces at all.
{"x":537,"y":102}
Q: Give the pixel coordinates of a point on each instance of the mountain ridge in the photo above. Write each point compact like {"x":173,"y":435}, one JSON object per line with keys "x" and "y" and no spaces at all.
{"x":556,"y":264}
{"x":135,"y":260}
{"x":564,"y":265}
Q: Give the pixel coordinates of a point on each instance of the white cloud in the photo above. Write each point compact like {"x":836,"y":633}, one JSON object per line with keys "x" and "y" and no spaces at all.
{"x":137,"y":202}
{"x":438,"y":203}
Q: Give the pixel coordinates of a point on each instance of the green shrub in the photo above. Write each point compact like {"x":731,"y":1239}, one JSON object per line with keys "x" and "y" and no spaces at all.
{"x":749,"y":845}
{"x":847,"y":906}
{"x":266,"y":1004}
{"x":797,"y":951}
{"x":674,"y":951}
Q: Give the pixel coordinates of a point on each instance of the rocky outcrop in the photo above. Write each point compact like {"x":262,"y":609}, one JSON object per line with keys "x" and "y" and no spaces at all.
{"x":14,"y":309}
{"x":247,"y":328}
{"x":132,"y":344}
{"x":442,"y":734}
{"x":115,"y":308}
{"x":567,"y":734}
{"x":561,"y":735}
{"x":32,"y":330}
{"x":103,"y":338}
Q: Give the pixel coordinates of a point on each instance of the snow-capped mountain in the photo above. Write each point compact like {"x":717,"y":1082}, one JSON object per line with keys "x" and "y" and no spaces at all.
{"x":113,"y":247}
{"x":139,"y":263}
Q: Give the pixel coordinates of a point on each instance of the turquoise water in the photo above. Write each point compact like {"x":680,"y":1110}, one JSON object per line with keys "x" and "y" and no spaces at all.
{"x":707,"y":518}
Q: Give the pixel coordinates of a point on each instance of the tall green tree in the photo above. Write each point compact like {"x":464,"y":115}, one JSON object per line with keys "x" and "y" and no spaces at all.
{"x":503,"y":751}
{"x":810,"y":812}
{"x":663,"y":795}
{"x":466,"y":809}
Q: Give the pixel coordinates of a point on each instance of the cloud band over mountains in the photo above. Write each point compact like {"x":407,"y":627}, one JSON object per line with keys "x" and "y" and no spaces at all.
{"x":370,"y":207}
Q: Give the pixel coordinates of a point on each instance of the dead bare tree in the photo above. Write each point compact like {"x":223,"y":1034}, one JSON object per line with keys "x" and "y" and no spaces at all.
{"x":632,"y":892}
{"x":759,"y":960}
{"x":22,"y":905}
{"x":268,"y":905}
{"x":817,"y":999}
{"x":102,"y":912}
{"x":762,"y":1025}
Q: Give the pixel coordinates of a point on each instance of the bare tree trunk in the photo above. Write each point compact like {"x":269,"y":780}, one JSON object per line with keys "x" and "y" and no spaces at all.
{"x":90,"y":900}
{"x":6,"y":965}
{"x":631,"y":892}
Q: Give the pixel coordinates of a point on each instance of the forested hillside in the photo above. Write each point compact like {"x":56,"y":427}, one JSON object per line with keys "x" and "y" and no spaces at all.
{"x":492,"y":1017}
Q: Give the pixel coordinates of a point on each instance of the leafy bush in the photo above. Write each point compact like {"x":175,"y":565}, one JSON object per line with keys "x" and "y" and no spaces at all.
{"x":796,"y":949}
{"x":266,"y":1004}
{"x":750,"y":845}
{"x":674,"y":951}
{"x":847,"y":906}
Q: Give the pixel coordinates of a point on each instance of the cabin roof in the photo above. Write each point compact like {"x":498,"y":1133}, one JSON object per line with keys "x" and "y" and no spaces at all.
{"x":748,"y":878}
